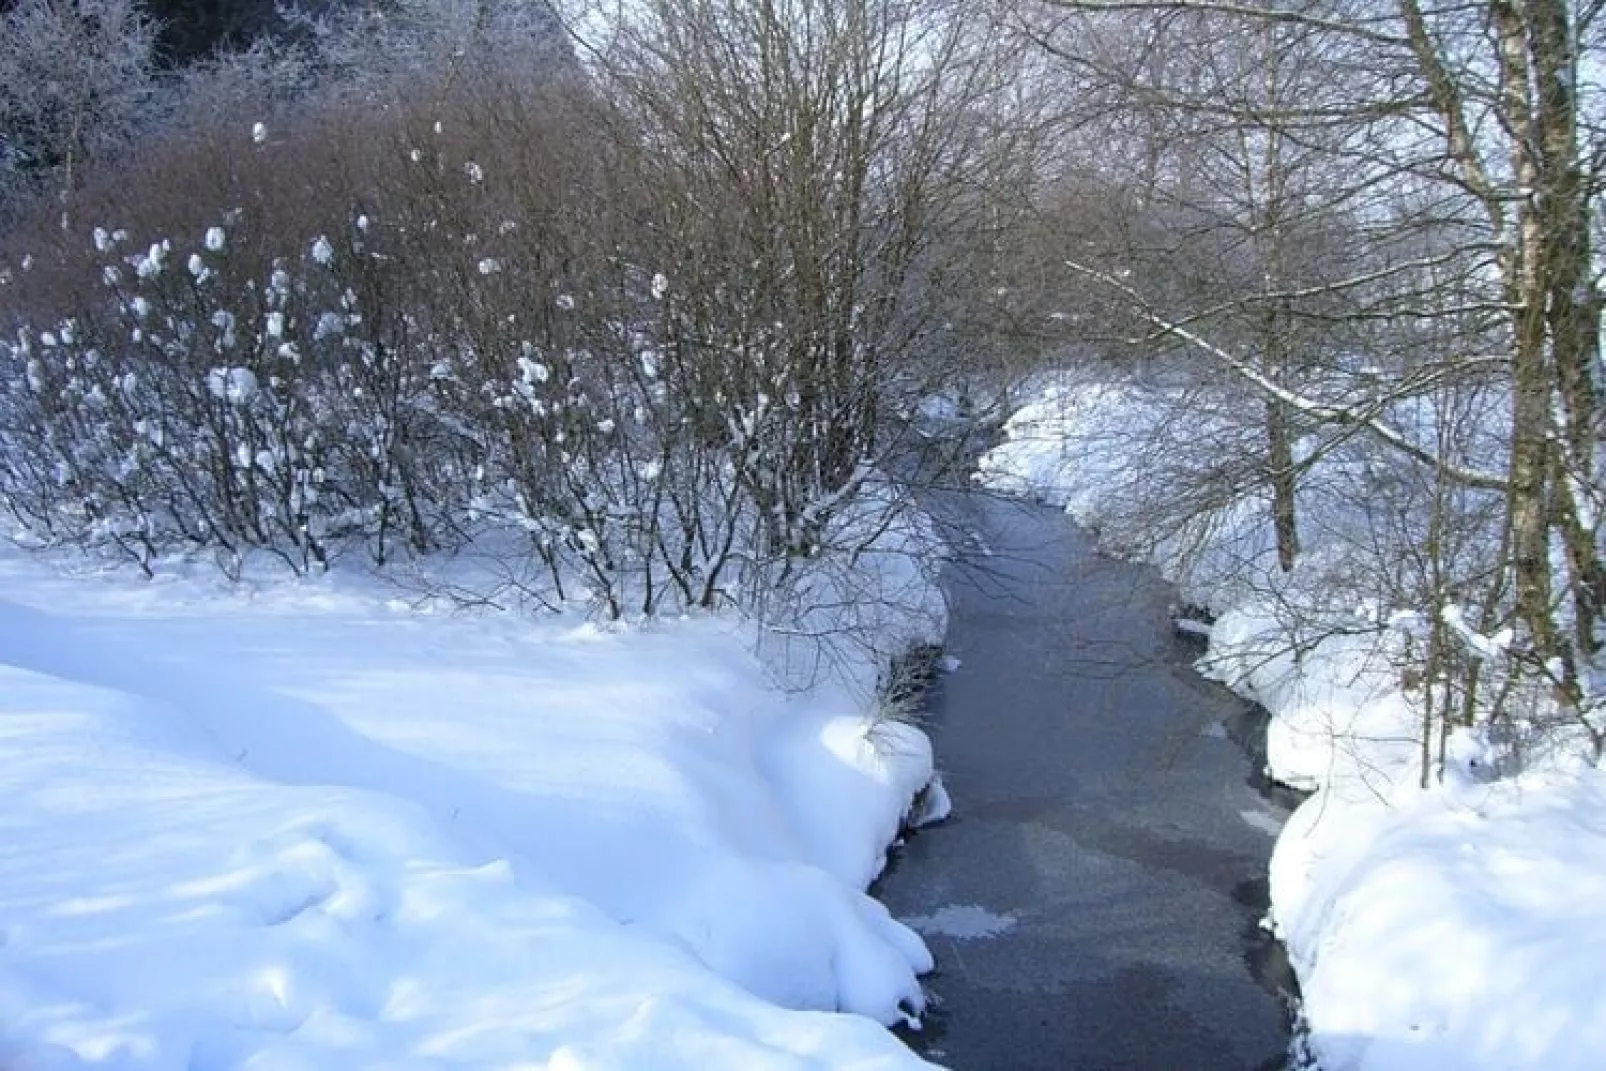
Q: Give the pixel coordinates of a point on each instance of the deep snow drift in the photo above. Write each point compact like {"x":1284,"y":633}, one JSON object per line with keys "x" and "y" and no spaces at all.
{"x":1460,"y":927}
{"x":313,"y":825}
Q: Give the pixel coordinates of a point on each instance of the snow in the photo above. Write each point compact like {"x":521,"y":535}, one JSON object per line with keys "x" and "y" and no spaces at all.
{"x":237,"y":386}
{"x":940,"y":408}
{"x":312,"y":824}
{"x":1460,"y":929}
{"x":1268,"y":823}
{"x":150,"y":265}
{"x":1338,"y":712}
{"x":1461,"y":926}
{"x":329,"y":325}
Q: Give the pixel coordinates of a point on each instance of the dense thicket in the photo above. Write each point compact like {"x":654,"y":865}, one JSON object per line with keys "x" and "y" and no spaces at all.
{"x":641,"y":328}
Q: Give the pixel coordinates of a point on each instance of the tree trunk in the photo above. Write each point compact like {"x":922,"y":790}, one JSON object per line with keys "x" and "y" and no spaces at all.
{"x":1523,"y":265}
{"x":1280,"y":470}
{"x":1572,"y":309}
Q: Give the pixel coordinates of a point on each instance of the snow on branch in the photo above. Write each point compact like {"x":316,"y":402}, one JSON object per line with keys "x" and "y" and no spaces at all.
{"x":1344,"y":415}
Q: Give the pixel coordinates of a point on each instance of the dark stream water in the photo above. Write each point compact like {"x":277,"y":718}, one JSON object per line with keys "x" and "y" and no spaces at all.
{"x":1093,"y":902}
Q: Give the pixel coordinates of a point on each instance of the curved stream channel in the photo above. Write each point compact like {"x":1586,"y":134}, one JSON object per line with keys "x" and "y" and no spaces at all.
{"x":1092,"y":903}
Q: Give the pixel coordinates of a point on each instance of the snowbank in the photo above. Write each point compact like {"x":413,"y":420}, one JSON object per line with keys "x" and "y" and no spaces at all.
{"x":1338,"y":715}
{"x":311,"y":826}
{"x":1461,"y":927}
{"x":843,"y":616}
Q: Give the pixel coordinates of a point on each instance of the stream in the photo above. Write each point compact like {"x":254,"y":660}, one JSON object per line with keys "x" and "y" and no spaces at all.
{"x":1093,"y":901}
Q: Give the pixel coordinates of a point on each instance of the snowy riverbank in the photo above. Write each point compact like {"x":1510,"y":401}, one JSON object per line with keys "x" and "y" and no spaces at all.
{"x":313,"y":825}
{"x":1456,"y":927}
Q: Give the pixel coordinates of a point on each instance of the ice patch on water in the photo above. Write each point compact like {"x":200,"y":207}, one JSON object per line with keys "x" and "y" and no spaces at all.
{"x":963,"y":922}
{"x":1263,"y":821}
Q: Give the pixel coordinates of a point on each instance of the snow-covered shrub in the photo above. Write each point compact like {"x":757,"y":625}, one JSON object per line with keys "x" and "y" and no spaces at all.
{"x":237,"y":376}
{"x":193,"y":404}
{"x":453,"y":328}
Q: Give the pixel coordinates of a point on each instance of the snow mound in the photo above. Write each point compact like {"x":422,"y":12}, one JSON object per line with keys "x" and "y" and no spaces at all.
{"x":1338,"y":712}
{"x":1460,"y":929}
{"x":305,"y":826}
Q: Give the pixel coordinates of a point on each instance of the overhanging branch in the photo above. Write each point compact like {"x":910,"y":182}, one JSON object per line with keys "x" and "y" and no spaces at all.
{"x":1331,"y":414}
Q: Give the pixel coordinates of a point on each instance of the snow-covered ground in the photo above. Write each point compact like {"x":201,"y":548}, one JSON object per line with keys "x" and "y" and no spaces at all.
{"x":317,"y":825}
{"x":1458,"y":927}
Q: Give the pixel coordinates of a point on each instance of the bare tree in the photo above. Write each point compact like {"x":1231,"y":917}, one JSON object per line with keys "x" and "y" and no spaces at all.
{"x":814,"y":162}
{"x":1464,"y":144}
{"x":75,"y":76}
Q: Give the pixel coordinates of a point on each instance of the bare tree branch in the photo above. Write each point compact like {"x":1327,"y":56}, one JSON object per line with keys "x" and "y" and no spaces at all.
{"x":1317,"y":410}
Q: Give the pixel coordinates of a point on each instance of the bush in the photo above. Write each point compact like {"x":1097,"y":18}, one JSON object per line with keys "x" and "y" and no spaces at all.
{"x":399,"y":332}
